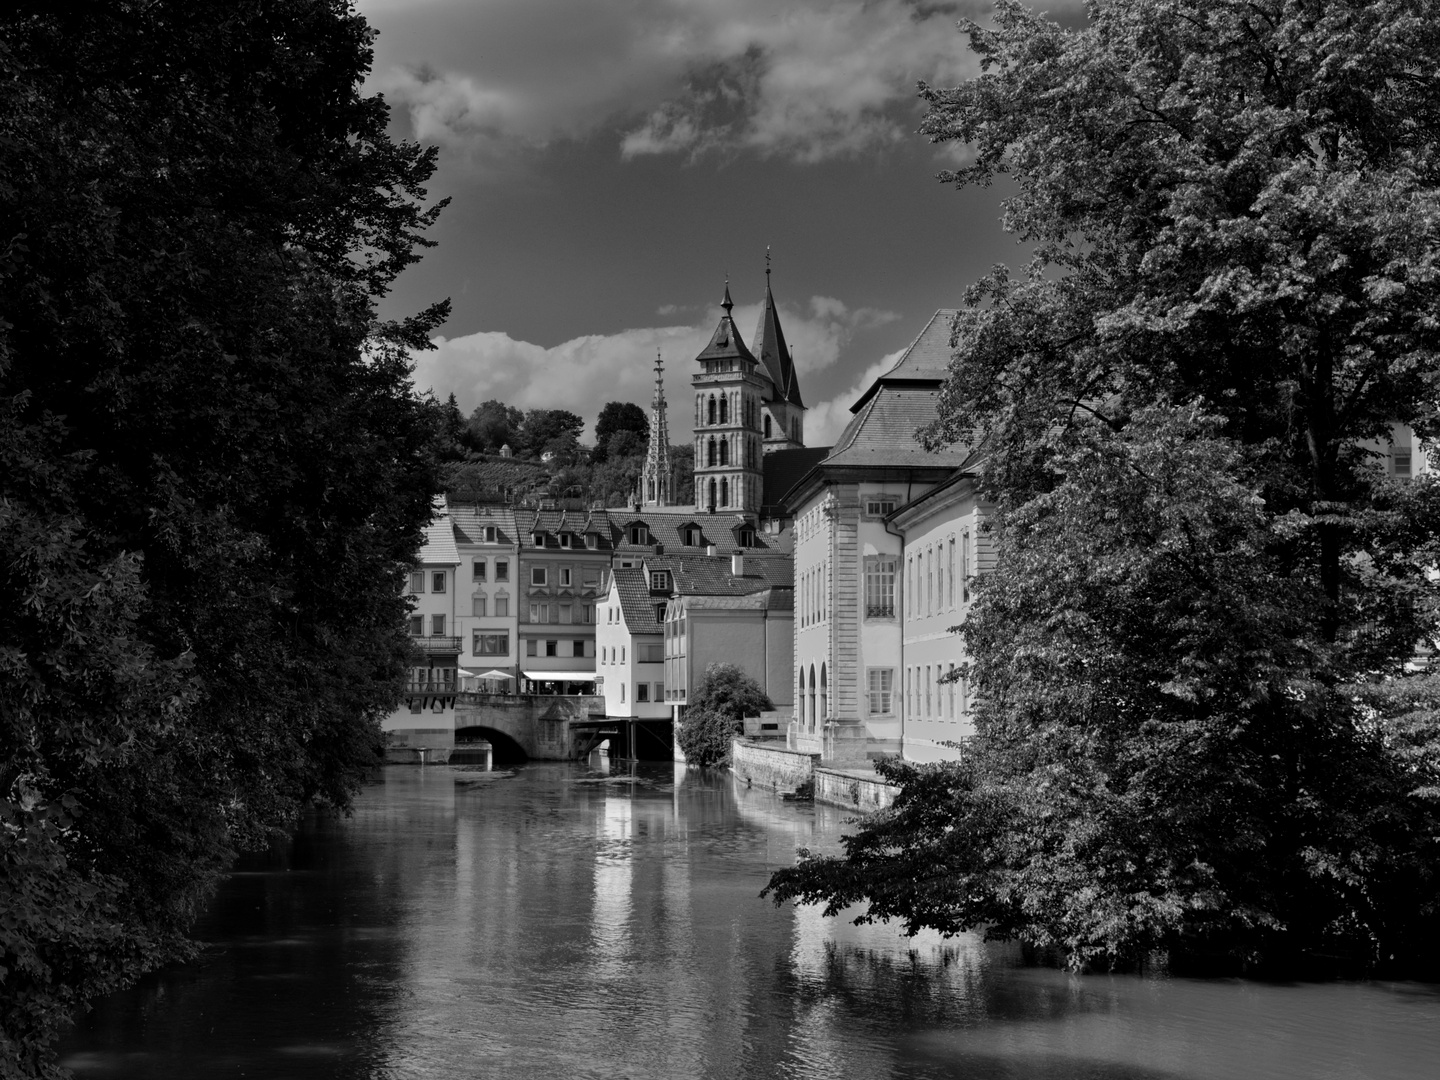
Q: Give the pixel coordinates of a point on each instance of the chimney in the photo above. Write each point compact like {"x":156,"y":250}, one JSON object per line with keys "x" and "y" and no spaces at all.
{"x":737,"y":565}
{"x":710,"y":550}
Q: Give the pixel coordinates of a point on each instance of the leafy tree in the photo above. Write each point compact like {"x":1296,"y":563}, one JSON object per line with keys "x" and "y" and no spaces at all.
{"x":619,"y":417}
{"x":1192,"y":728}
{"x":705,"y":736}
{"x":213,"y":467}
{"x":682,"y":473}
{"x":551,"y":429}
{"x":731,"y":691}
{"x":494,"y":424}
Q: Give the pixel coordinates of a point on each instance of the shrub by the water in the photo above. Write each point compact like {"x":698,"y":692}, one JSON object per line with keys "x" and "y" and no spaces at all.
{"x":705,"y":736}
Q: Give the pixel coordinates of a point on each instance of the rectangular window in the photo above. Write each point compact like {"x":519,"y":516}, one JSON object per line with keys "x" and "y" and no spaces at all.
{"x":477,"y":570}
{"x":564,"y":577}
{"x":539,"y":575}
{"x":417,"y":625}
{"x":950,"y":690}
{"x":502,"y":569}
{"x":437,"y":625}
{"x":592,"y":540}
{"x":417,"y":582}
{"x":648,"y":653}
{"x":642,"y":691}
{"x":530,"y":649}
{"x":929,"y":581}
{"x":659,"y":691}
{"x":909,"y":593}
{"x":965,"y":567}
{"x":538,"y":539}
{"x":587,"y":613}
{"x":639,"y":534}
{"x":437,"y":581}
{"x":477,"y":606}
{"x":952,"y":573}
{"x":939,"y":578}
{"x":1402,"y":463}
{"x":879,"y":587}
{"x":880,"y":683}
{"x":502,"y":606}
{"x":564,"y":540}
{"x":928,"y":684}
{"x":566,"y":610}
{"x":490,"y":534}
{"x":590,"y":575}
{"x":660,"y":581}
{"x":879,"y":506}
{"x":492,"y":645}
{"x":552,"y":648}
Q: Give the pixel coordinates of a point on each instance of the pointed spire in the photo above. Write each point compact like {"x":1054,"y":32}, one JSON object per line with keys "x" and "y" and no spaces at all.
{"x":655,"y":476}
{"x":727,"y":303}
{"x":770,"y":349}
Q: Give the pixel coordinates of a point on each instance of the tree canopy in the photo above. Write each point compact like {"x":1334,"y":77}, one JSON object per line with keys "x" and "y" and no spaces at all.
{"x":1194,"y":730}
{"x":726,"y":695}
{"x":213,"y":467}
{"x":619,"y":418}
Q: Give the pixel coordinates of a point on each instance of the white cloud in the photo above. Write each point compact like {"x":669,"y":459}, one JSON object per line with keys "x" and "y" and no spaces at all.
{"x":805,"y":80}
{"x":824,"y":422}
{"x":586,"y":372}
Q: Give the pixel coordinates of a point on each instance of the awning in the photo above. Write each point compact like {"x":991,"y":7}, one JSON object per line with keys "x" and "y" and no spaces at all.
{"x":560,"y":676}
{"x":496,"y":674}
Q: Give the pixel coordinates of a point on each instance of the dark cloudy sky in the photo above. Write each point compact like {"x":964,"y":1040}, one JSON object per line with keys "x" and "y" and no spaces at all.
{"x":610,"y":161}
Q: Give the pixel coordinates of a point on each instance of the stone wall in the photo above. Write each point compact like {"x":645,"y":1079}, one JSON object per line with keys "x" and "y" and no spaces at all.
{"x":853,"y":789}
{"x":771,"y":766}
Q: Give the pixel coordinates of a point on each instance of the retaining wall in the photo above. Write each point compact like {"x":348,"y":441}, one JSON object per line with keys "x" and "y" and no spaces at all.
{"x":771,"y":767}
{"x":853,"y":789}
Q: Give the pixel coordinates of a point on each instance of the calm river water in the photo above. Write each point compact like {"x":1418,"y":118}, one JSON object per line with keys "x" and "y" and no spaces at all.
{"x":561,"y":922}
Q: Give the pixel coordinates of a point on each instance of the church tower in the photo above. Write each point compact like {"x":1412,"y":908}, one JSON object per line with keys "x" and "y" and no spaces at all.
{"x":730,"y":391}
{"x":655,"y":478}
{"x":783,"y":422}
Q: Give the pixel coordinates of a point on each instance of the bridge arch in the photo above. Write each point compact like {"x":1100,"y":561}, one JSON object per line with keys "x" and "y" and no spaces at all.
{"x":507,"y":750}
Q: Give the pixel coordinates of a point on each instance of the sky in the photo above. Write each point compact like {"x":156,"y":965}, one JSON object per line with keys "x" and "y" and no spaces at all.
{"x":611,"y":162}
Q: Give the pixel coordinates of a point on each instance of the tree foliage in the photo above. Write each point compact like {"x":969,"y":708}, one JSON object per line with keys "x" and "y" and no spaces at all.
{"x":1193,"y":728}
{"x":726,"y":695}
{"x":212,"y":465}
{"x":704,"y":737}
{"x":624,"y":420}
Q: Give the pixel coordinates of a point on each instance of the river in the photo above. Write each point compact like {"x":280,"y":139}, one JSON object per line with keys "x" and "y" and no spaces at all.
{"x":562,"y":921}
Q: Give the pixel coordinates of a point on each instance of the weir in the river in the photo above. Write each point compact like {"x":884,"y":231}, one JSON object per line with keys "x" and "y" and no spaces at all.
{"x":560,"y":922}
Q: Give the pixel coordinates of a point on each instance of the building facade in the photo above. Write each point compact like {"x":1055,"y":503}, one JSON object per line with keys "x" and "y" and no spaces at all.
{"x":564,"y":575}
{"x":630,"y":644}
{"x":488,"y":608}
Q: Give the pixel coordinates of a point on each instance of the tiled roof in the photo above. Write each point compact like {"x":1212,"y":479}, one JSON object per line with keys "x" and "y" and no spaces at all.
{"x":705,"y":575}
{"x":882,"y":433}
{"x":726,"y":343}
{"x":774,"y":355}
{"x":774,"y":599}
{"x":666,"y":527}
{"x":927,"y":359}
{"x":636,"y":601}
{"x":439,"y":545}
{"x":784,"y":468}
{"x":470,"y":523}
{"x":577,"y":523}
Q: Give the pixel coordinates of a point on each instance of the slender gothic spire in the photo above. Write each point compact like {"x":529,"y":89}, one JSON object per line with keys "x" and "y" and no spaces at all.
{"x":770,"y":349}
{"x":655,"y":478}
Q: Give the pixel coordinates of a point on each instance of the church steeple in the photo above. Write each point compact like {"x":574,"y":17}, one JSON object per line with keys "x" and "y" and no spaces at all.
{"x":729,"y":391}
{"x":655,"y":478}
{"x":770,"y":349}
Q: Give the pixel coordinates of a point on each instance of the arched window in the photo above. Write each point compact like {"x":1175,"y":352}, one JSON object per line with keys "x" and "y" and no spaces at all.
{"x":712,"y":408}
{"x":813,"y":714}
{"x":712,"y":493}
{"x":724,"y":410}
{"x":767,"y":426}
{"x":800,"y":697}
{"x":724,"y":492}
{"x":710,"y":452}
{"x":724,"y":451}
{"x":824,"y":695}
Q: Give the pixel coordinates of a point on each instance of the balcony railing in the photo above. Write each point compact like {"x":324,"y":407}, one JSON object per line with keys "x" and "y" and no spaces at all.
{"x":437,"y":644}
{"x":431,"y":686}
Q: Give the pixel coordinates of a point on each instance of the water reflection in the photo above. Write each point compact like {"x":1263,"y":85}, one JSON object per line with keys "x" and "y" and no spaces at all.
{"x":561,"y":921}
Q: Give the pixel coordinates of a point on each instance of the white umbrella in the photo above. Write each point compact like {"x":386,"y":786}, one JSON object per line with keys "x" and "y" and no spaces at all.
{"x":497,"y":674}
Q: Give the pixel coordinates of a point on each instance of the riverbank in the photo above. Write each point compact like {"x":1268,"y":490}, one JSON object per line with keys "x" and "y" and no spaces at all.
{"x":770,"y":764}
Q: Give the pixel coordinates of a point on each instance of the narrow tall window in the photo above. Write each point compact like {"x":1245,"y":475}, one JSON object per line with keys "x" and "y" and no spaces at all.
{"x":437,"y":581}
{"x":417,"y":581}
{"x":952,"y":573}
{"x":880,"y":687}
{"x":477,"y":570}
{"x":965,"y":567}
{"x":477,"y":607}
{"x":879,"y":587}
{"x":929,"y":581}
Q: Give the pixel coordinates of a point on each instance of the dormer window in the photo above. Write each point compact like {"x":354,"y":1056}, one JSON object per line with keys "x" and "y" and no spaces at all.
{"x":489,"y":534}
{"x":538,"y":539}
{"x":639,"y":534}
{"x":660,"y":612}
{"x":564,"y":540}
{"x":747,"y":538}
{"x":592,"y":540}
{"x":693,"y":537}
{"x":660,"y":581}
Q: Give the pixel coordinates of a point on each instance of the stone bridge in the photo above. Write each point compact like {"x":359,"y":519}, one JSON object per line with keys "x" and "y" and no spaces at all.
{"x":538,"y":726}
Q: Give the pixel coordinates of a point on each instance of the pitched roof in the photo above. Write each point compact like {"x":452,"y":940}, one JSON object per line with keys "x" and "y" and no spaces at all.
{"x":470,"y":523}
{"x":725,"y":342}
{"x":636,"y":601}
{"x":784,"y":468}
{"x":438,"y":547}
{"x":549,"y":524}
{"x":666,"y":528}
{"x":709,"y":575}
{"x":774,"y":355}
{"x":882,"y":434}
{"x":927,"y":359}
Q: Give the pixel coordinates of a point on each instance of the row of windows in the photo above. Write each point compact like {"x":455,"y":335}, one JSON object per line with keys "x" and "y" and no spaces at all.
{"x":717,"y":409}
{"x":722,"y":494}
{"x":488,"y":643}
{"x":646,"y":652}
{"x":567,"y":540}
{"x":478,"y":604}
{"x":560,"y":647}
{"x":591,"y":577}
{"x":929,"y":590}
{"x":718,"y":451}
{"x":813,"y":594}
{"x":562,"y":613}
{"x":436,"y":578}
{"x":927,"y":697}
{"x":479,"y":569}
{"x":642,"y":692}
{"x":417,"y":625}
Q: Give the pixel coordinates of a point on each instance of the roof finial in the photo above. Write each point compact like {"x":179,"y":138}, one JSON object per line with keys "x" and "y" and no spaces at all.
{"x":727,"y":303}
{"x":767,"y":266}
